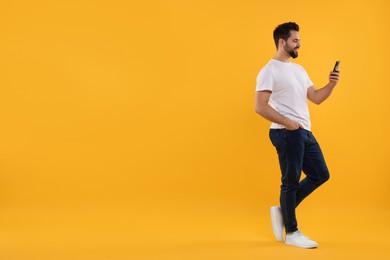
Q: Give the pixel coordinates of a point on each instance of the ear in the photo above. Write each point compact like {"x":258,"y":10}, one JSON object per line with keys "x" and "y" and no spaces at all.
{"x":282,"y":42}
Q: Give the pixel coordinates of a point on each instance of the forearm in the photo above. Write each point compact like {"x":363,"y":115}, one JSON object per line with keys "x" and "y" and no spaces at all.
{"x":267,"y":112}
{"x":320,"y":95}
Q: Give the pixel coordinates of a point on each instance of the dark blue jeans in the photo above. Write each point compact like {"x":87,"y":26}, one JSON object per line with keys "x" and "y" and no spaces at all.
{"x":298,"y":151}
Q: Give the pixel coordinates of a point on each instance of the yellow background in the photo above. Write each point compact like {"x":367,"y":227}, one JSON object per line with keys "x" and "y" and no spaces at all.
{"x":128,"y":129}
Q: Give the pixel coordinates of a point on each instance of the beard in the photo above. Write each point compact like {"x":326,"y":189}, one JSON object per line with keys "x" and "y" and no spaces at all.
{"x":291,"y":52}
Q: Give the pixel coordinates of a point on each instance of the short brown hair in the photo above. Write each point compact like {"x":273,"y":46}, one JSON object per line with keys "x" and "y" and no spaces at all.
{"x":283,"y":31}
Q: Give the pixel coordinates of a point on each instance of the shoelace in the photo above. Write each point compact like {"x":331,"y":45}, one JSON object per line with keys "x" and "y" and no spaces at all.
{"x":299,"y":233}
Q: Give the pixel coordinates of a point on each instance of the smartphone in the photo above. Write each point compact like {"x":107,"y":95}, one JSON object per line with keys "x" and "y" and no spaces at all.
{"x":336,"y":66}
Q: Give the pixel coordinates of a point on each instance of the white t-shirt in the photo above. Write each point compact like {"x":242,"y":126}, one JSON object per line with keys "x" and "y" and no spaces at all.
{"x":288,"y":83}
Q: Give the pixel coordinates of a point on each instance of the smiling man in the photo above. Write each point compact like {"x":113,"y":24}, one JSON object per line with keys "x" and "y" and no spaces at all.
{"x":282,"y":91}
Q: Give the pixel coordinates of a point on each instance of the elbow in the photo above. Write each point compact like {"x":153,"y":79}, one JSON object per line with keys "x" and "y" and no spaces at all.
{"x":315,"y":101}
{"x":259,"y":110}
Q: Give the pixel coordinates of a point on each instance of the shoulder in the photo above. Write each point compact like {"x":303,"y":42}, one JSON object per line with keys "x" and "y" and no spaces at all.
{"x":268,"y":69}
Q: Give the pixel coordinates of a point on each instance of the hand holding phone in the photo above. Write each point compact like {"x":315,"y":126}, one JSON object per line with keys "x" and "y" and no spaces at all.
{"x":334,"y":76}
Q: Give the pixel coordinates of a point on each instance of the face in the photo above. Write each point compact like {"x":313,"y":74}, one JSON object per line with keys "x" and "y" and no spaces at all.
{"x":292,"y":45}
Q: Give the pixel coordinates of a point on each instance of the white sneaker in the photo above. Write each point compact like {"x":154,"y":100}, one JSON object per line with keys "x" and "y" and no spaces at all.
{"x":300,"y":240}
{"x":277,"y":222}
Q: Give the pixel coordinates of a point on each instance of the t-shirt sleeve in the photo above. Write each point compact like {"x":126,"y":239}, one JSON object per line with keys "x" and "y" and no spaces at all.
{"x":308,"y":82}
{"x":265,"y":80}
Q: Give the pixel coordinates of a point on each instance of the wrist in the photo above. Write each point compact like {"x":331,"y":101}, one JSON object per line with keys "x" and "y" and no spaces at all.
{"x":286,"y":122}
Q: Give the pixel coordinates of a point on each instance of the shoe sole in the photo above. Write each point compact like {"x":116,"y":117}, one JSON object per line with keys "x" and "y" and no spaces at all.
{"x":301,"y":246}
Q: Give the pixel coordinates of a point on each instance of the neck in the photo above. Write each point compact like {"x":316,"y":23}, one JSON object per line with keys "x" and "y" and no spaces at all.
{"x":282,"y":56}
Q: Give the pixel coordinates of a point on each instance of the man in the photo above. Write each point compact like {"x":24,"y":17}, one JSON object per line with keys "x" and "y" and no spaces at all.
{"x":282,"y":91}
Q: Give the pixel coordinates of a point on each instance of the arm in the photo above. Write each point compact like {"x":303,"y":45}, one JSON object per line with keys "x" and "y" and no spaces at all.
{"x":266,"y":111}
{"x":317,"y":96}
